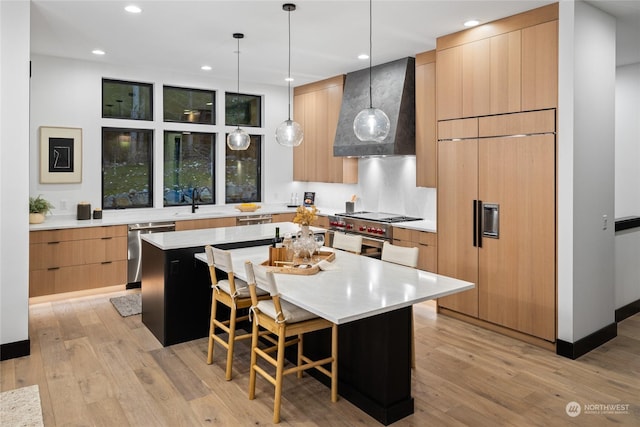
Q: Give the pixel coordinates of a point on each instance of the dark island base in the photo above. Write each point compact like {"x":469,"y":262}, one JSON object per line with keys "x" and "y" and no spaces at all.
{"x":374,"y":354}
{"x":374,"y":363}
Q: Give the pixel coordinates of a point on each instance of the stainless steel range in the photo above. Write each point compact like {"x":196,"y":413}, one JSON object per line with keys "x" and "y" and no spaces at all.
{"x":374,"y":227}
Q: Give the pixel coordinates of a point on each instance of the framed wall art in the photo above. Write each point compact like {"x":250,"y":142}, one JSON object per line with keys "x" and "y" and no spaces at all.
{"x":60,"y":155}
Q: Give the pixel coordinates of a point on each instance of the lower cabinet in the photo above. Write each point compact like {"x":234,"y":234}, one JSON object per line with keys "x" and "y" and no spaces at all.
{"x":198,"y":224}
{"x":426,"y":243}
{"x":76,"y":259}
{"x":283,"y":217}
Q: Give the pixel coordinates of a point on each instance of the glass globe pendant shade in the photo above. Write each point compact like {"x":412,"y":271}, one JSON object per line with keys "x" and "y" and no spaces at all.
{"x":238,"y":140}
{"x":289,"y":134}
{"x":371,"y":124}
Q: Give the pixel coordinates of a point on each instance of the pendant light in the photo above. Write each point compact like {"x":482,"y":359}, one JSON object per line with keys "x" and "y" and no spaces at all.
{"x":371,"y":124}
{"x":238,"y":139}
{"x":289,"y":133}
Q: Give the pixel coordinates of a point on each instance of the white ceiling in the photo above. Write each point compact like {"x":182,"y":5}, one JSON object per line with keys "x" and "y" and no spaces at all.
{"x":327,"y":36}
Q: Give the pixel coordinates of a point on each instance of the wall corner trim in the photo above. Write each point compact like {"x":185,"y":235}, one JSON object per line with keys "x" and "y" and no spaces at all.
{"x":16,"y":349}
{"x":586,"y":344}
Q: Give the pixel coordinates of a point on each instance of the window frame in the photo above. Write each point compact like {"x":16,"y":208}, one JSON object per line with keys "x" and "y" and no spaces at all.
{"x":213,"y":166}
{"x":260,"y":109}
{"x":151,"y":106}
{"x":214,"y":111}
{"x":259,"y":161}
{"x":151,"y":165}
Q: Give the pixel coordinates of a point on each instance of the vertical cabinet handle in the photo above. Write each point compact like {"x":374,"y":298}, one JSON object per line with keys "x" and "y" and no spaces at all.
{"x":478,"y":226}
{"x":475,"y":223}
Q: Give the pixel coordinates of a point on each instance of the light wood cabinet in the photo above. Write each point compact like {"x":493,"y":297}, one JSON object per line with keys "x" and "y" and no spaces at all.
{"x":425,"y":242}
{"x":514,"y":271}
{"x":316,"y":108}
{"x":540,"y":66}
{"x":75,"y":259}
{"x":283,"y":217}
{"x":509,"y":65}
{"x":426,"y":119}
{"x":198,"y":224}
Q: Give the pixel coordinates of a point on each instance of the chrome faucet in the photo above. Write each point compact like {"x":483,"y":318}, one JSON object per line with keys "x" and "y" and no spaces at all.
{"x":194,"y":194}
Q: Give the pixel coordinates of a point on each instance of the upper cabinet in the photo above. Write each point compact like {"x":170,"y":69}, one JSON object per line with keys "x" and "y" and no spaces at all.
{"x":506,"y":67}
{"x":426,"y":119}
{"x":316,"y":109}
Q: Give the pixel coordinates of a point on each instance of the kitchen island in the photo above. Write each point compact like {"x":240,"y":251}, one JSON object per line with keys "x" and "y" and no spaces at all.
{"x":371,"y":302}
{"x":176,"y":289}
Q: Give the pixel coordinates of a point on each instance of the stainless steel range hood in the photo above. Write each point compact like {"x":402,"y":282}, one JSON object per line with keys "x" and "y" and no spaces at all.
{"x":393,"y":88}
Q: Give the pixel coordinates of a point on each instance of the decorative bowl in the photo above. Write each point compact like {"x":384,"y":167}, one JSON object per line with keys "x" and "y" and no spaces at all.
{"x":248,"y":207}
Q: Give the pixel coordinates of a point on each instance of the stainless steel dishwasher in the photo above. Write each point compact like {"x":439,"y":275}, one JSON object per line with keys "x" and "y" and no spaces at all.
{"x":134,"y":246}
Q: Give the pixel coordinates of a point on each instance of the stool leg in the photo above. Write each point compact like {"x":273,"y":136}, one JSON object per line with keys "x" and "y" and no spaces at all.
{"x":254,"y":359}
{"x":300,"y":353}
{"x":212,"y":329}
{"x":279,"y":370}
{"x":334,"y":363}
{"x":231,"y":342}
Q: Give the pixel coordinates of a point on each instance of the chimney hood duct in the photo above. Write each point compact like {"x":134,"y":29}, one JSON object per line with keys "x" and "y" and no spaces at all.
{"x":393,"y":87}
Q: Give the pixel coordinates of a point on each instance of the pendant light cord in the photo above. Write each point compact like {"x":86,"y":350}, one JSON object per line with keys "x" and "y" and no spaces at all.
{"x":238,"y":75}
{"x":289,"y":71}
{"x":370,"y":51}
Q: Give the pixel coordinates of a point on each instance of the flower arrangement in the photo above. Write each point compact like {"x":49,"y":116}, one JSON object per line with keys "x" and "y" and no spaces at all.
{"x":305,"y":216}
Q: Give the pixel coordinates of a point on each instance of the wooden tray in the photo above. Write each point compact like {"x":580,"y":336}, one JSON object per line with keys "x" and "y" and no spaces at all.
{"x":298,"y":266}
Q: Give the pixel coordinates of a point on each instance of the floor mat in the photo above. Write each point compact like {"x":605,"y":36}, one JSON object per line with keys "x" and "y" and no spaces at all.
{"x":128,"y":305}
{"x":21,"y":407}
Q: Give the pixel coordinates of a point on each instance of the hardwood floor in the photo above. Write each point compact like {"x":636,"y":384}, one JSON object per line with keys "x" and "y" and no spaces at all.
{"x":97,"y":368}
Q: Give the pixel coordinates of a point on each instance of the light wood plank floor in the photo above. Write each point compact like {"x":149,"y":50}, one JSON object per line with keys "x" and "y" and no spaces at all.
{"x":97,"y":368}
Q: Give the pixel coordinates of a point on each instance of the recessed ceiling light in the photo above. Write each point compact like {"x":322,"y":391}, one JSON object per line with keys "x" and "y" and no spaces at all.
{"x":206,"y":68}
{"x":471,"y":23}
{"x":288,"y":79}
{"x":98,"y":52}
{"x":363,"y":56}
{"x":133,"y":9}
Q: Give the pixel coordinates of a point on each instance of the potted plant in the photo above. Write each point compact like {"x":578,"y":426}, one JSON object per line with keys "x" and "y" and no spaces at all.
{"x":38,"y":208}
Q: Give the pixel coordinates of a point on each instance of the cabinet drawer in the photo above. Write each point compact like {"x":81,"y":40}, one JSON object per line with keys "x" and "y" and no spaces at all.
{"x":76,"y":252}
{"x":105,"y":249}
{"x":76,"y":278}
{"x":199,"y":224}
{"x":67,"y":234}
{"x":426,"y":238}
{"x":283,"y":217}
{"x":403,"y":234}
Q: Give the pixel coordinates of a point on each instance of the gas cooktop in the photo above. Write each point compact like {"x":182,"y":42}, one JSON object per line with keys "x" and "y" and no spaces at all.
{"x":378,"y":216}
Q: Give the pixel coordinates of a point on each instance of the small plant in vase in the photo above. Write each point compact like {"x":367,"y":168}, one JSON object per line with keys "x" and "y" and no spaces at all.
{"x":38,"y":208}
{"x":305,"y":242}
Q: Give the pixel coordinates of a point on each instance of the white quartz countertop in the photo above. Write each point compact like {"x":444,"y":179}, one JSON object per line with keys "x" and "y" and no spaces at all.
{"x":354,"y":287}
{"x":183,"y":213}
{"x":135,"y":216}
{"x":218,"y":236}
{"x":422,"y":225}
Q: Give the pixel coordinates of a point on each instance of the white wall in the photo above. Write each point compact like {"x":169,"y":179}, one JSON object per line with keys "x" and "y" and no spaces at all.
{"x":627,"y":246}
{"x":586,"y":188}
{"x":627,"y":141}
{"x":14,"y":176}
{"x":68,"y":93}
{"x":385,"y":184}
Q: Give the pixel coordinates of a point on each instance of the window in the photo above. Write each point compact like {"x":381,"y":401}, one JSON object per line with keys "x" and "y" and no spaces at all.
{"x":243,"y":180}
{"x":243,"y":110}
{"x":189,"y":105}
{"x":127,"y":168}
{"x":127,"y":100}
{"x":189,"y":164}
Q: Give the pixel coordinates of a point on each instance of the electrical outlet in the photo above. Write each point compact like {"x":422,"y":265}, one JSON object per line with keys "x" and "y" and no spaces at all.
{"x":63,"y":205}
{"x":605,"y":219}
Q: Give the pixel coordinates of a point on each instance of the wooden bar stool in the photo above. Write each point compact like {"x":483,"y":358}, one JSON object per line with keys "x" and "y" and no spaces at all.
{"x":406,"y":256}
{"x":347,"y":242}
{"x":232,"y":292}
{"x":284,"y":320}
